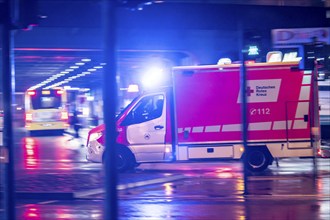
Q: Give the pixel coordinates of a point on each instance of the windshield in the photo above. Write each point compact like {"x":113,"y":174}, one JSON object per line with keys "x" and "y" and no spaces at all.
{"x":45,"y":100}
{"x":124,"y":109}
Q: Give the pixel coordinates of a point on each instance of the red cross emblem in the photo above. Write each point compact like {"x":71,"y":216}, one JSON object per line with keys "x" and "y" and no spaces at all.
{"x":249,"y":91}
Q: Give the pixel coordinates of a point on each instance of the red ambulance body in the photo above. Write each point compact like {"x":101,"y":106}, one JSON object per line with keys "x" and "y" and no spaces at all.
{"x":200,"y":117}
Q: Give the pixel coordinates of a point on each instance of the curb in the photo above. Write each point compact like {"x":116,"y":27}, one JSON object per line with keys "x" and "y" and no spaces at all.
{"x":84,"y":194}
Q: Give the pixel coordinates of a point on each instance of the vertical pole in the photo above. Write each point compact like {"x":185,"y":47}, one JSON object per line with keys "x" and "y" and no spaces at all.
{"x":316,"y":118}
{"x":244,"y":105}
{"x":109,"y":109}
{"x":8,"y":77}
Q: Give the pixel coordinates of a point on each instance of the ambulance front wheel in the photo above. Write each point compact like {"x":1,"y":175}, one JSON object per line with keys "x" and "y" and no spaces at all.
{"x":125,"y":159}
{"x":257,"y":159}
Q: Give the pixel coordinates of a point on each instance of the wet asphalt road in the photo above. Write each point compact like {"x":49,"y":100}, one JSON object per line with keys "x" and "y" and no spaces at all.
{"x":213,"y":190}
{"x":204,"y":193}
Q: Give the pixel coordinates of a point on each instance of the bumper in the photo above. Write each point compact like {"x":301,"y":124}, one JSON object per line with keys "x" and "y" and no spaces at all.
{"x":40,"y":126}
{"x":94,"y":151}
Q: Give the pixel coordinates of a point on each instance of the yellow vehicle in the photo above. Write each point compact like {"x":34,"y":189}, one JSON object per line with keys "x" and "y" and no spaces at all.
{"x":45,"y":110}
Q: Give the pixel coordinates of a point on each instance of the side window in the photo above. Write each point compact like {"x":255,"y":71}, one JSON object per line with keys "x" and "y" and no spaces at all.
{"x":148,"y":108}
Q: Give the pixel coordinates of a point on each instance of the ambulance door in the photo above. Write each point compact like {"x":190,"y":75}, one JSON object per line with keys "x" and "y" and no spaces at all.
{"x":298,"y":125}
{"x":146,"y":130}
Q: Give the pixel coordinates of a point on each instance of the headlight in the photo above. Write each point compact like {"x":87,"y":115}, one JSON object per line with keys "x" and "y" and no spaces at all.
{"x":95,"y":136}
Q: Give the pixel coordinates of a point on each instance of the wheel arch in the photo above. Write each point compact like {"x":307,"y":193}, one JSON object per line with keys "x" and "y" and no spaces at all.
{"x":122,"y":149}
{"x":257,"y":149}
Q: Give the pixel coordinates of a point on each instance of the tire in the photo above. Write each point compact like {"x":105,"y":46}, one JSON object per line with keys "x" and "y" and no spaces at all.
{"x":257,"y":159}
{"x":125,"y":159}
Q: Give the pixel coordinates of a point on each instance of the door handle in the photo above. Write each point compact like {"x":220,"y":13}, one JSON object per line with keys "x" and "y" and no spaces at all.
{"x":305,"y":118}
{"x":158,"y":127}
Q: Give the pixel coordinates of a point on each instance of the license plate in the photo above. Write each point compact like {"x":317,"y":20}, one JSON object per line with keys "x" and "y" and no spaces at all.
{"x":46,"y":125}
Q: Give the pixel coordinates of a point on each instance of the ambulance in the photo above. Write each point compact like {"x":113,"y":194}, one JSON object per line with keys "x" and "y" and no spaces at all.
{"x":199,"y":117}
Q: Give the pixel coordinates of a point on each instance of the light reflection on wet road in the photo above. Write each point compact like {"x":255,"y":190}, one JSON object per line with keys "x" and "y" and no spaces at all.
{"x":189,"y":208}
{"x":206,"y":195}
{"x":55,"y":152}
{"x":209,"y":191}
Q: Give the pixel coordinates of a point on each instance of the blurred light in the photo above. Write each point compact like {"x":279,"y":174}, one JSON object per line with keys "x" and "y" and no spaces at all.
{"x":221,"y":170}
{"x":96,"y":216}
{"x":64,"y":115}
{"x":84,"y":89}
{"x":90,"y":98}
{"x":45,"y":92}
{"x":167,"y":149}
{"x":29,"y":146}
{"x":239,"y":186}
{"x":148,"y":2}
{"x":168,"y":189}
{"x":30,"y":153}
{"x":126,"y":102}
{"x":225,"y":175}
{"x":224,"y":61}
{"x":68,"y":70}
{"x":77,"y":65}
{"x":31,"y":92}
{"x":31,"y":213}
{"x":253,"y":50}
{"x":85,"y":111}
{"x":290,"y":57}
{"x":32,"y":87}
{"x":250,"y":61}
{"x":133,"y":88}
{"x":153,"y":77}
{"x":71,"y":88}
{"x":29,"y":140}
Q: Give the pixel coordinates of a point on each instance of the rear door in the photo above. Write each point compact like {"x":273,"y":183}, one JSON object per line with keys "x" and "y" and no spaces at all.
{"x":298,"y":124}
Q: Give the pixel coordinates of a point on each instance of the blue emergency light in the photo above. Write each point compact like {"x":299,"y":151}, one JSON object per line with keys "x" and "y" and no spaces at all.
{"x":253,"y":51}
